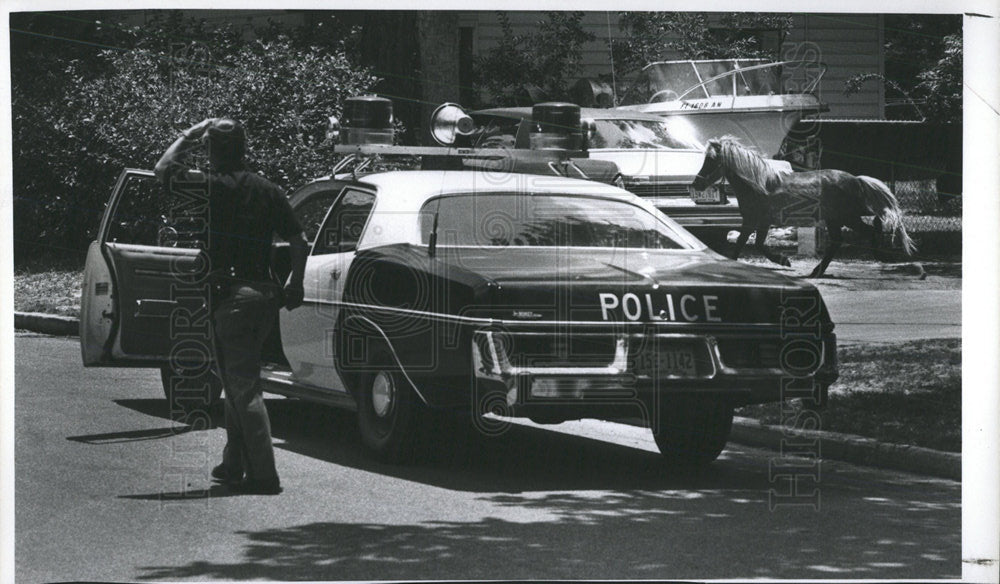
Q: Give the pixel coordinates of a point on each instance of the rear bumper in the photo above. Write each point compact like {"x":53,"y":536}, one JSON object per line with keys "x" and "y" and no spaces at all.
{"x":695,"y":221}
{"x":628,"y":382}
{"x":690,"y":214}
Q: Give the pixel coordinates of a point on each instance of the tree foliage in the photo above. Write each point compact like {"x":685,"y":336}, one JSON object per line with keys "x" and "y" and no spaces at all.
{"x":941,"y":83}
{"x":923,"y":67}
{"x":85,"y":116}
{"x":542,"y":60}
{"x":659,"y":36}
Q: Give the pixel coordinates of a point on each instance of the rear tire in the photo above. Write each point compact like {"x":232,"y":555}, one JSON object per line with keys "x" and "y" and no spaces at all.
{"x":390,"y":414}
{"x":693,"y":431}
{"x":188,"y":393}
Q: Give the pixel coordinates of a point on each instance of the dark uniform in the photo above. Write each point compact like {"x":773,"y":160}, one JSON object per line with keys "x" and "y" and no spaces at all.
{"x":245,"y":212}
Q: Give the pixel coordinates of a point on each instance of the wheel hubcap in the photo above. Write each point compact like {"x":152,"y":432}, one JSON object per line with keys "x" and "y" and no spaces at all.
{"x":383,"y":393}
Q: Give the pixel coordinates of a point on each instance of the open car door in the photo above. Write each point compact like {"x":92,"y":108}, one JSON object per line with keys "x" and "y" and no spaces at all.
{"x":144,"y":301}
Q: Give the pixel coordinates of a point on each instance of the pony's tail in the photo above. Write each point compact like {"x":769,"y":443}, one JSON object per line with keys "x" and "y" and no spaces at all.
{"x":880,"y":201}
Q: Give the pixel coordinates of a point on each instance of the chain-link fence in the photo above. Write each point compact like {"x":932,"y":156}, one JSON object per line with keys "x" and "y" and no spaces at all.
{"x":925,"y":209}
{"x":933,"y":219}
{"x":921,"y":163}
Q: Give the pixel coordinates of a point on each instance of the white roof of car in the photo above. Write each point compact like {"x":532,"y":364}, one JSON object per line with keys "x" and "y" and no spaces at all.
{"x":420,"y":185}
{"x":401,"y":195}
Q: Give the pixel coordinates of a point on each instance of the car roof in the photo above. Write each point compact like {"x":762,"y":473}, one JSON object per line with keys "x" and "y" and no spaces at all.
{"x":417,"y":186}
{"x":585,"y":112}
{"x":401,"y":195}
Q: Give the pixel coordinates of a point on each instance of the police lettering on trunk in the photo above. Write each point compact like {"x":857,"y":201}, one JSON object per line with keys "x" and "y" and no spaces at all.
{"x":669,"y":306}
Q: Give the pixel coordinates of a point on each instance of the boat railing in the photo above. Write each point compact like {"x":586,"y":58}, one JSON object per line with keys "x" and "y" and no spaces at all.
{"x":736,"y":74}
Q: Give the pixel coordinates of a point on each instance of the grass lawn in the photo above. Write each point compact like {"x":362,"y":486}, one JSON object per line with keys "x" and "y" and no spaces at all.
{"x":908,"y":393}
{"x":54,"y":288}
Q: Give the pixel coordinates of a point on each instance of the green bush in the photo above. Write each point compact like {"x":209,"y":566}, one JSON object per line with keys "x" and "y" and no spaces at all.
{"x":657,"y":36}
{"x":526,"y":68}
{"x":121,"y":106}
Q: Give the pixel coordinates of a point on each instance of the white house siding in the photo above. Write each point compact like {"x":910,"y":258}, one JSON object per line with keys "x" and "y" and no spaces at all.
{"x":848,"y":44}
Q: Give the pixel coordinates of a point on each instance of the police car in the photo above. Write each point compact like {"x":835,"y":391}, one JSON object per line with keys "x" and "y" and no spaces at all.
{"x":486,"y":290}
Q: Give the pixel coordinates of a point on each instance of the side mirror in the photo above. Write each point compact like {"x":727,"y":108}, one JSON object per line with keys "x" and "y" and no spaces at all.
{"x":166,"y":237}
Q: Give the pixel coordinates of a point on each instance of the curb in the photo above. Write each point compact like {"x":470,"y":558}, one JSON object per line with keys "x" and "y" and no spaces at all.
{"x":851,"y":448}
{"x":49,"y":324}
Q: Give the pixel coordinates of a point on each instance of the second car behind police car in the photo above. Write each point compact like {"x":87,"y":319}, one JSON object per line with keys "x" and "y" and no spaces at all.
{"x":489,"y":292}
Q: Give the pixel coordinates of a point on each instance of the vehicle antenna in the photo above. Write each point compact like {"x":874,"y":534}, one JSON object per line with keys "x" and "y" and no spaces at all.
{"x":611,"y":51}
{"x":432,"y":241}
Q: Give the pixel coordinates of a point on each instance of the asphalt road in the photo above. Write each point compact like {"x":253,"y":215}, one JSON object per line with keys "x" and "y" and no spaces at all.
{"x":881,"y":316}
{"x":872,"y":302}
{"x":108,"y":488}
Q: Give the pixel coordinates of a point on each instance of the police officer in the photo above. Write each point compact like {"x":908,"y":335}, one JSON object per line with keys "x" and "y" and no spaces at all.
{"x":245,"y":210}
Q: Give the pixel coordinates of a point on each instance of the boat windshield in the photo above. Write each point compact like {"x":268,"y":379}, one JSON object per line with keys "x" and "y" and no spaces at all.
{"x":673,"y":80}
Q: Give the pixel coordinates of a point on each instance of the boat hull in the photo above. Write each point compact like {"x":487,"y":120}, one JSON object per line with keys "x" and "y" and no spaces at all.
{"x":762,"y":128}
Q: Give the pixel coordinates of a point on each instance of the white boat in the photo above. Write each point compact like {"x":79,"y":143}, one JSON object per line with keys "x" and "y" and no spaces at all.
{"x":756,"y":100}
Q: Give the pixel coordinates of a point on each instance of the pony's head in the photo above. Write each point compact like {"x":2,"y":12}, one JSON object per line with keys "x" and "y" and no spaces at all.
{"x":711,"y":169}
{"x":746,"y":169}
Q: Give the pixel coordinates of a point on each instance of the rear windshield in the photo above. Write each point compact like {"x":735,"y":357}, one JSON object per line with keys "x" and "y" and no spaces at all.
{"x":503,"y":220}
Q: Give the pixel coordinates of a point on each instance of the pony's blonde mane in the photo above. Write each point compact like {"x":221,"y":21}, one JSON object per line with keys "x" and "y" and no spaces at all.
{"x":747,"y":164}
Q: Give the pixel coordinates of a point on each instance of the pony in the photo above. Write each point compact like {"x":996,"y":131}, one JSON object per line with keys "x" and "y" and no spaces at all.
{"x":768,"y":196}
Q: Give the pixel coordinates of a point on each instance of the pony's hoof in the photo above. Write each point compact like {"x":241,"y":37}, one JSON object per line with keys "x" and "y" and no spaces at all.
{"x":785,"y":262}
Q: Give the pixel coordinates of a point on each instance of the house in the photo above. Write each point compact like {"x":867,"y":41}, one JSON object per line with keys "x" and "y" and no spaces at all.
{"x":847,"y":44}
{"x":855,"y":133}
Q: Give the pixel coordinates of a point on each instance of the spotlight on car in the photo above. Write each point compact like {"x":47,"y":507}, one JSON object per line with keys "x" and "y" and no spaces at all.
{"x":448,"y":122}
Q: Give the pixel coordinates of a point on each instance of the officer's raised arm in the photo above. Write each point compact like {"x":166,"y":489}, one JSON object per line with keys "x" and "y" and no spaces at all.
{"x":174,"y":159}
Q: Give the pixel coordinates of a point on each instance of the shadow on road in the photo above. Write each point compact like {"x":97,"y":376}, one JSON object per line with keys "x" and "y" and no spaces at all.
{"x":131,"y":435}
{"x":566,"y":506}
{"x":215,"y":491}
{"x":150,"y":407}
{"x":459,"y":458}
{"x":600,"y":535}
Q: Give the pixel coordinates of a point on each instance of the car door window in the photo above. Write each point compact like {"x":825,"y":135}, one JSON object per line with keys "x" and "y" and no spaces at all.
{"x":345,"y":223}
{"x":148,"y":213}
{"x":311,"y":212}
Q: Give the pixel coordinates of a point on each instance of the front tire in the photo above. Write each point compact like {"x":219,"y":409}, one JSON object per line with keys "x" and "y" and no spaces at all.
{"x":187,"y":393}
{"x":693,"y":431}
{"x":389,"y":414}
